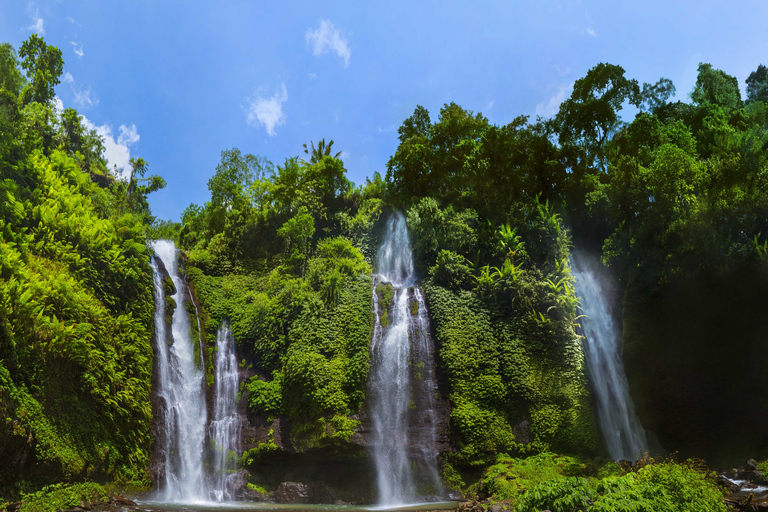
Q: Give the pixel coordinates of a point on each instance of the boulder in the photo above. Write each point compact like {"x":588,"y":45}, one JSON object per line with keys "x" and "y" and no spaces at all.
{"x":237,"y":484}
{"x":725,"y":482}
{"x":322,"y":494}
{"x":292,"y":493}
{"x":122,"y":500}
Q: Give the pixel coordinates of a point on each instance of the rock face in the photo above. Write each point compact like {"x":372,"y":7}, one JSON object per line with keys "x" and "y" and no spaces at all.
{"x":299,"y":493}
{"x":694,"y":353}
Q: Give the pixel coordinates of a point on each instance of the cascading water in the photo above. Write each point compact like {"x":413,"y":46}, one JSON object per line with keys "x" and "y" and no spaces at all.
{"x":180,"y":389}
{"x":624,"y":436}
{"x":401,"y":350}
{"x":224,"y":430}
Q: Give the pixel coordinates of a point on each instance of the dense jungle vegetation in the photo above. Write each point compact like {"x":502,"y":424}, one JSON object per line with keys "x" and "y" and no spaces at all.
{"x":76,"y":295}
{"x":285,"y":253}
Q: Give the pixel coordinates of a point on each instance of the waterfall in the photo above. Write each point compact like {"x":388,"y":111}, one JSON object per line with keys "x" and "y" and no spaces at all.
{"x":623,"y":434}
{"x":224,"y":430}
{"x":402,"y":376}
{"x":180,"y":387}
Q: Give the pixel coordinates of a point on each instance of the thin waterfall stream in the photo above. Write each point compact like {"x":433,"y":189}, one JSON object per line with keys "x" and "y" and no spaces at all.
{"x":180,"y":388}
{"x":403,"y":386}
{"x":224,"y":430}
{"x":624,"y":436}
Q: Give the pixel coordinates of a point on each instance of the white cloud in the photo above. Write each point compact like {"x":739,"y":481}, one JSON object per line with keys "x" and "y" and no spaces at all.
{"x":591,"y":32}
{"x":327,"y":37}
{"x":490,"y":105}
{"x":84,"y":98}
{"x":312,"y":76}
{"x":128,"y":135}
{"x":268,"y":111}
{"x":117,"y":152}
{"x":550,"y":107}
{"x":379,"y":129}
{"x":78,"y":51}
{"x":72,"y":21}
{"x":68,"y":78}
{"x":345,"y":157}
{"x":37,"y":25}
{"x":58,"y":105}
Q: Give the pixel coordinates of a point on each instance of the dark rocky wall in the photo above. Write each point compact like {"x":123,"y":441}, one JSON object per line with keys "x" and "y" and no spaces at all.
{"x":695,"y":353}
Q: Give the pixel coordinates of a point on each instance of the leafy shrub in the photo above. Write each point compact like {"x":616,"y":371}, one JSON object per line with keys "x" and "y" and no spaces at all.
{"x":656,"y":487}
{"x":451,"y":270}
{"x":62,"y":496}
{"x":559,"y":495}
{"x":265,"y":397}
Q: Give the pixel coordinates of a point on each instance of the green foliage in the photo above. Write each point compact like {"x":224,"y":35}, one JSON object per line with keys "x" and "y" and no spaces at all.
{"x":508,"y":478}
{"x":253,"y":455}
{"x":507,"y":343}
{"x":562,"y":495}
{"x":757,"y":84}
{"x":656,"y":487}
{"x":257,"y":488}
{"x":297,"y":233}
{"x":265,"y":397}
{"x":451,"y":270}
{"x":43,"y":66}
{"x":76,"y":291}
{"x":716,"y":87}
{"x":310,"y":331}
{"x":62,"y":497}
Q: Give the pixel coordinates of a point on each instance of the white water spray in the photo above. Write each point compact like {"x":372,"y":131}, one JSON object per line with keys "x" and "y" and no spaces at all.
{"x":224,"y":430}
{"x":397,"y":346}
{"x":623,"y":434}
{"x":180,"y":389}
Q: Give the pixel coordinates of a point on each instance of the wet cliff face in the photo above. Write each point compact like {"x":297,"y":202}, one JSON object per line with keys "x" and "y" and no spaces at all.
{"x":695,"y":353}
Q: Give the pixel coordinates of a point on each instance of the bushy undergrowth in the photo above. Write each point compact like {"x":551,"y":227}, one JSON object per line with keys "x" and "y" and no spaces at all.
{"x":75,"y":323}
{"x":567,"y":484}
{"x":62,"y":497}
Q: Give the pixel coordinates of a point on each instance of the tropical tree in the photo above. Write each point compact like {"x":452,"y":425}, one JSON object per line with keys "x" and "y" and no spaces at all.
{"x":318,"y":153}
{"x":716,"y":87}
{"x":43,"y":65}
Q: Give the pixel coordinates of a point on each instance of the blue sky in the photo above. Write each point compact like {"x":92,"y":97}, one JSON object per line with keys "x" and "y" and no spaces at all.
{"x":176,"y":82}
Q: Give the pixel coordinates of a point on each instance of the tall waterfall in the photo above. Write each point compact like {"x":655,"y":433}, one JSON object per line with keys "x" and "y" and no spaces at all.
{"x":402,"y":377}
{"x":624,"y":436}
{"x":180,"y":388}
{"x":224,"y":430}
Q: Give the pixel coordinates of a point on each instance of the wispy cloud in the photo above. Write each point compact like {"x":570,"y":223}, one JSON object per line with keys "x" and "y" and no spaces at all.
{"x":84,"y":98}
{"x":78,"y":51}
{"x":72,"y":21}
{"x":327,"y":38}
{"x":550,"y":107}
{"x":268,"y":111}
{"x":128,"y":135}
{"x":591,"y":32}
{"x":490,"y":105}
{"x":38,"y":24}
